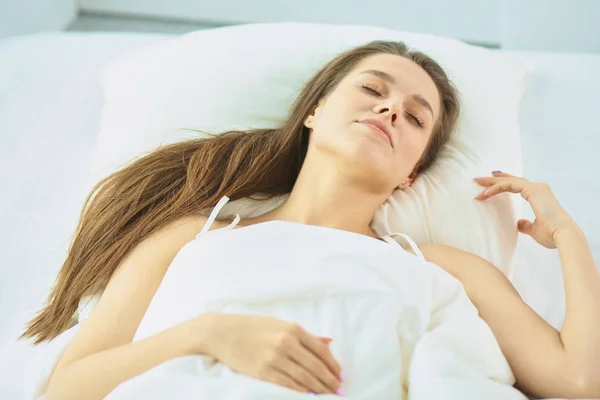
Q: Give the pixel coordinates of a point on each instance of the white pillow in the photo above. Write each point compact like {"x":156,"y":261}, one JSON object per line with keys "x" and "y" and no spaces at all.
{"x":247,"y":77}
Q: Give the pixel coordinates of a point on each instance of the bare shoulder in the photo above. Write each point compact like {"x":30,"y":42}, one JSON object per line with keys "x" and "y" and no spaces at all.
{"x":126,"y":297}
{"x":452,"y":259}
{"x":182,"y":229}
{"x":439,"y":250}
{"x":194,"y":223}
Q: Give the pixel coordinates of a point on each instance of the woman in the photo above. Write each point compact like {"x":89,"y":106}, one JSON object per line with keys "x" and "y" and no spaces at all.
{"x":365,"y":125}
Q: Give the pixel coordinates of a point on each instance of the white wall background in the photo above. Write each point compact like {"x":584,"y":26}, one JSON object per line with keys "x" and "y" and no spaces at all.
{"x":555,"y":25}
{"x":18,"y":17}
{"x":545,"y":25}
{"x":467,"y":19}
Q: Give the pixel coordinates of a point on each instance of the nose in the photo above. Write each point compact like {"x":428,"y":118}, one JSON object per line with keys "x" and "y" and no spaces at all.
{"x":389,"y":110}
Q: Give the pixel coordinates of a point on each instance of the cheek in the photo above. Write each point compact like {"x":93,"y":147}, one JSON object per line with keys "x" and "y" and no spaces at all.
{"x":331,"y":121}
{"x":342,"y":106}
{"x":410,"y":150}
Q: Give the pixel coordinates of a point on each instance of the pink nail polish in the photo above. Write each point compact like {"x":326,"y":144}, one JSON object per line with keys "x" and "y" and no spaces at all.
{"x":339,"y":392}
{"x":341,"y":377}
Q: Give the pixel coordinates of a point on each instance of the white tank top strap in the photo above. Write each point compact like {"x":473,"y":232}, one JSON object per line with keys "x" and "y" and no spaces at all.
{"x":411,"y":243}
{"x":213,"y":216}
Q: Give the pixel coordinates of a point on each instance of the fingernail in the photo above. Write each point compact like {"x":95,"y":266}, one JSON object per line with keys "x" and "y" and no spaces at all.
{"x":339,"y":392}
{"x":496,"y":172}
{"x":341,"y":377}
{"x":313,"y":393}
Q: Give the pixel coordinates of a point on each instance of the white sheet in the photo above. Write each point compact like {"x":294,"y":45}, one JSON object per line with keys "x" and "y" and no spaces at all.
{"x":50,"y":104}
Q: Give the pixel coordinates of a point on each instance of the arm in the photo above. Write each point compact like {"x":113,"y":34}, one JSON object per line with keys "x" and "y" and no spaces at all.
{"x":545,"y":362}
{"x":580,"y":333}
{"x":95,"y":376}
{"x":101,"y":355}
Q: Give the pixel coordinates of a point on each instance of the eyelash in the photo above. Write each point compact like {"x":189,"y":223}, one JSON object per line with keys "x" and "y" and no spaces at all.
{"x":376,"y":93}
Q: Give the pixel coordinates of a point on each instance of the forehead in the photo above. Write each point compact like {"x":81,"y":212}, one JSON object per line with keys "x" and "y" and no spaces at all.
{"x":410,"y":77}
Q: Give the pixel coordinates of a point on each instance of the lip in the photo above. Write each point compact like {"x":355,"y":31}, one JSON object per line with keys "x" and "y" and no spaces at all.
{"x":379,"y":126}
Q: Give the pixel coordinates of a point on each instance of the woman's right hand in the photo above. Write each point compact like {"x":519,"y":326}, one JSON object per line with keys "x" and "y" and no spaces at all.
{"x":275,"y":351}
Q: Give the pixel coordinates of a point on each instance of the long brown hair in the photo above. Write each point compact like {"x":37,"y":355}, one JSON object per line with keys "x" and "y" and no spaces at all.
{"x":184,"y":178}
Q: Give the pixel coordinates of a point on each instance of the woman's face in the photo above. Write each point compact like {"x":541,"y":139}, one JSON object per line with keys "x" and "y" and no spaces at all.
{"x":377,"y":122}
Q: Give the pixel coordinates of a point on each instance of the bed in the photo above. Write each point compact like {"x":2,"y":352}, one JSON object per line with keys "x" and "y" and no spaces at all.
{"x":50,"y":110}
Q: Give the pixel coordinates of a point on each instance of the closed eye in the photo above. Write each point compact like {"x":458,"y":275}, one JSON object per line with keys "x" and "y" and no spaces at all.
{"x":417,"y":120}
{"x":374,"y":92}
{"x":371,"y":90}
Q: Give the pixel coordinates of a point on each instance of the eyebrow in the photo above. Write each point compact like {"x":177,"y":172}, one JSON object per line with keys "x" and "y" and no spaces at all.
{"x":390,"y":79}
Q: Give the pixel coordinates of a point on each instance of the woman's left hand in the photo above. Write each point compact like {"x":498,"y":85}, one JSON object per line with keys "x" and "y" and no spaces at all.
{"x":550,"y":216}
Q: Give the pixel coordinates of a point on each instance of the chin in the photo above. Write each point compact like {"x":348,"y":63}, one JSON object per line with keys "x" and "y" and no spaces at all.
{"x":370,"y":162}
{"x":370,"y":150}
{"x":360,"y":154}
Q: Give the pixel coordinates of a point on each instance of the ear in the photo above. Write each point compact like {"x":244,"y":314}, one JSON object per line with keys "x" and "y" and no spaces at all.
{"x":409,"y":180}
{"x":309,"y":120}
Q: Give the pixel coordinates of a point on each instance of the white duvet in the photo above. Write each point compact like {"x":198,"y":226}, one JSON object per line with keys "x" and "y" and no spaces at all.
{"x":401,"y":327}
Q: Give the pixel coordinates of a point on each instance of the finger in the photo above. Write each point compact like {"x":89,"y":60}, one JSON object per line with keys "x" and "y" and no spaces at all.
{"x":507,"y":185}
{"x":500,"y":173}
{"x":325,"y":340}
{"x":525,"y":226}
{"x":280,"y":378}
{"x":303,"y":376}
{"x":322,"y":351}
{"x":486,"y":180}
{"x":315,"y":366}
{"x":496,"y":176}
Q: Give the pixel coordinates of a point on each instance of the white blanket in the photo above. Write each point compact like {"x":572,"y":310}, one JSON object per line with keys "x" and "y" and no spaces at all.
{"x":402,"y":327}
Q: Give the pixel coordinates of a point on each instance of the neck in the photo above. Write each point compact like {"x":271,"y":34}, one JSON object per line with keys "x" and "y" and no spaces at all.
{"x":324,"y":197}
